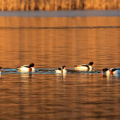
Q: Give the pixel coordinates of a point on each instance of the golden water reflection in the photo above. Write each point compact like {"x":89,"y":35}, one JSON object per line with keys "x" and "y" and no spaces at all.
{"x":51,"y":48}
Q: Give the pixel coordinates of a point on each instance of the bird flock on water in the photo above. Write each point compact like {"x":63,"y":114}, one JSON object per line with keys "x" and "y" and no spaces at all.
{"x":63,"y":69}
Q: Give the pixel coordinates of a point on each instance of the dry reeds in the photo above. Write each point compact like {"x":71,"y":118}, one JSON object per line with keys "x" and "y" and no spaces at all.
{"x":10,"y":5}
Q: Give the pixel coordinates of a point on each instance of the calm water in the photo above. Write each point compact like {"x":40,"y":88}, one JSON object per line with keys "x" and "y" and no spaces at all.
{"x":50,"y":43}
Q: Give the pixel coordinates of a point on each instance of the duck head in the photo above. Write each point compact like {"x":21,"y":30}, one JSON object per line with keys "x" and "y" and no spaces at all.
{"x":103,"y":72}
{"x":91,"y":63}
{"x":64,"y":67}
{"x":0,"y":68}
{"x":31,"y":65}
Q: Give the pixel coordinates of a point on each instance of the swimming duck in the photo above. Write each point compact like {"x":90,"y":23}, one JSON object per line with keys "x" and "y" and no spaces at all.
{"x":111,"y":71}
{"x":61,"y":70}
{"x":85,"y":67}
{"x":27,"y":68}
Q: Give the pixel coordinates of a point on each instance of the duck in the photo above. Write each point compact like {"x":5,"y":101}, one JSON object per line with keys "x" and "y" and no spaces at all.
{"x":85,"y":67}
{"x":61,"y":69}
{"x":111,"y":71}
{"x":0,"y":71}
{"x":27,"y":68}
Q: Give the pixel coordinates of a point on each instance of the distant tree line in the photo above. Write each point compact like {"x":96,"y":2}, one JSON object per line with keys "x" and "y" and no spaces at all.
{"x":13,"y":5}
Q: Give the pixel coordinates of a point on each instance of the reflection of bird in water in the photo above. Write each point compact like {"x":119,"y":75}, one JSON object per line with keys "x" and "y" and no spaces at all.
{"x":0,"y":71}
{"x":26,"y":68}
{"x":61,"y":70}
{"x":111,"y":71}
{"x":25,"y":94}
{"x":26,"y":75}
{"x":61,"y":75}
{"x":85,"y":67}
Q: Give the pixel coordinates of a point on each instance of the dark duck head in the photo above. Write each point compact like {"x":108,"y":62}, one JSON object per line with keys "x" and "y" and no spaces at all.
{"x":91,"y":63}
{"x":0,"y":68}
{"x":31,"y":65}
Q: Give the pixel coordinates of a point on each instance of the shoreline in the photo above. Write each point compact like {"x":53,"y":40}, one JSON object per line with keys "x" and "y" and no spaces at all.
{"x":71,"y":13}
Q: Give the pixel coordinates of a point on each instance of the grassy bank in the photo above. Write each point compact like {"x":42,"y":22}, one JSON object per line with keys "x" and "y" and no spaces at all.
{"x":9,"y":5}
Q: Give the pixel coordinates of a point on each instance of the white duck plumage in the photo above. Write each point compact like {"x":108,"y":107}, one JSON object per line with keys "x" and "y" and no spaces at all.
{"x":27,"y":68}
{"x":61,"y":70}
{"x":85,"y":67}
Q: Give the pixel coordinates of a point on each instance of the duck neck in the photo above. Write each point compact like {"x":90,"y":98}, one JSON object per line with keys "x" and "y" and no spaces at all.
{"x":0,"y":74}
{"x":90,"y":68}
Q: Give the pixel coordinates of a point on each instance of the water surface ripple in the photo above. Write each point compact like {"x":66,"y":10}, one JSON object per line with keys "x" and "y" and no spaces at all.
{"x":51,"y":43}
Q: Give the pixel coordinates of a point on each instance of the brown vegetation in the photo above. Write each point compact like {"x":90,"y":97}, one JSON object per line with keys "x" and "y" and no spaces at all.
{"x":10,"y":5}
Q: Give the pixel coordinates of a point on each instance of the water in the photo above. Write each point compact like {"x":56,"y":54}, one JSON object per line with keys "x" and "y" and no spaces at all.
{"x":50,"y":43}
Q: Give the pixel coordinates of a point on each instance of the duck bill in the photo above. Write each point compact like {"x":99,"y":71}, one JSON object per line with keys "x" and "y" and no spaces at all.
{"x":101,"y":72}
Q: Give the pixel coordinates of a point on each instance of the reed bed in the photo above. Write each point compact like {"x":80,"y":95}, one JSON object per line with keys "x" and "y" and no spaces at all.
{"x":15,"y":5}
